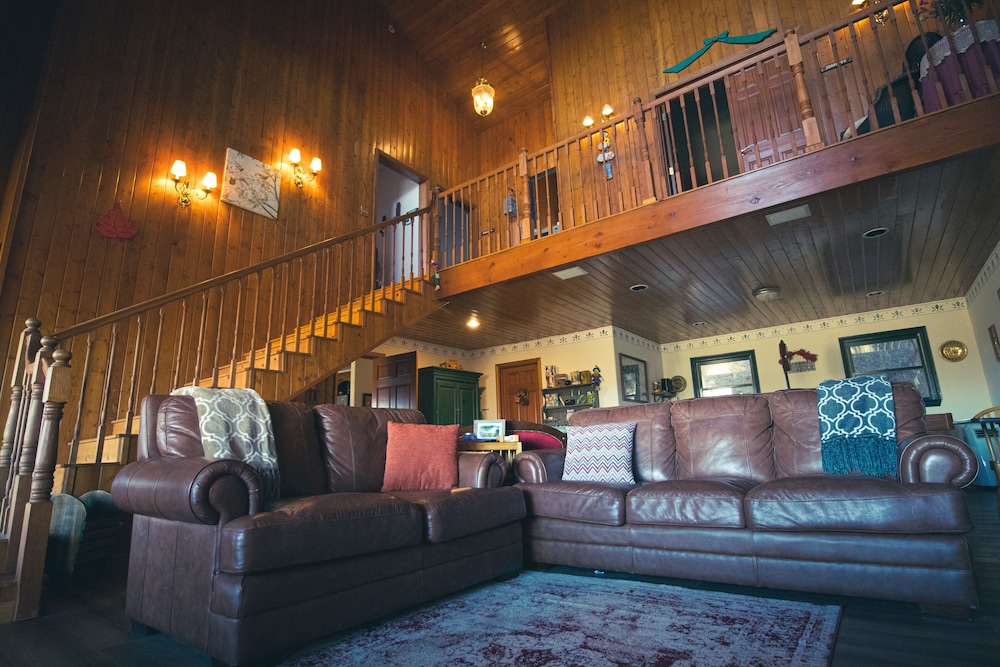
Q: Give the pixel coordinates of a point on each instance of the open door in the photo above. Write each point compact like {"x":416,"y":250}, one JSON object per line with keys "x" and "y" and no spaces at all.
{"x":396,"y":381}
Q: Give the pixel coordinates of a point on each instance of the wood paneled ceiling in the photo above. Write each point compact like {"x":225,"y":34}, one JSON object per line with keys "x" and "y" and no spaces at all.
{"x":941,"y":231}
{"x":447,"y":35}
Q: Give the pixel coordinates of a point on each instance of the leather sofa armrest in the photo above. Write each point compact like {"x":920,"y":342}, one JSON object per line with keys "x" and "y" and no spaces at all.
{"x":935,"y":457}
{"x":481,"y":470}
{"x":539,"y":465}
{"x":188,"y":489}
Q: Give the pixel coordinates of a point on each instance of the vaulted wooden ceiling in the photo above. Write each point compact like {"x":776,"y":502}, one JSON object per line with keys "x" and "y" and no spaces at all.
{"x":941,"y":227}
{"x":447,"y":35}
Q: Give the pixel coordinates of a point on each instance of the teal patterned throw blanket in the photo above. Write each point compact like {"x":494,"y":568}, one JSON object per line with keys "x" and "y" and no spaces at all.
{"x":857,"y":426}
{"x":236,"y":424}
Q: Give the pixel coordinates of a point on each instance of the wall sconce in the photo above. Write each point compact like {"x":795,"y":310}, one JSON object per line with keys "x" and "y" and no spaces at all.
{"x":880,"y":17}
{"x":606,"y":113}
{"x":184,"y":190}
{"x":301,"y":175}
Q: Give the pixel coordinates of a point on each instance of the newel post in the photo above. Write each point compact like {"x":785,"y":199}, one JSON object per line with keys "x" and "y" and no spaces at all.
{"x":810,"y":126}
{"x":645,"y":166}
{"x":524,"y":231}
{"x":52,"y":370}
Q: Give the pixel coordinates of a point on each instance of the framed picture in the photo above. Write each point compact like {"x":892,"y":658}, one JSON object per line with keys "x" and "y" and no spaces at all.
{"x":489,"y":429}
{"x":634,"y":386}
{"x":366,"y":400}
{"x":995,"y":341}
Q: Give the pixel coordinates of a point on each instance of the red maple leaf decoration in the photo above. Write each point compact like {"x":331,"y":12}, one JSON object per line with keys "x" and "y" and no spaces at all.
{"x":114,"y":225}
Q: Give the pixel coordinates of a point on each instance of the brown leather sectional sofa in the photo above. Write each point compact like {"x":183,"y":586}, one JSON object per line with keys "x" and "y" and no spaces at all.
{"x":214,"y":566}
{"x":731,"y":489}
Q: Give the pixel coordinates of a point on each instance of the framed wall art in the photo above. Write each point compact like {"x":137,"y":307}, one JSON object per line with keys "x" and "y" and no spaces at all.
{"x":250,"y":184}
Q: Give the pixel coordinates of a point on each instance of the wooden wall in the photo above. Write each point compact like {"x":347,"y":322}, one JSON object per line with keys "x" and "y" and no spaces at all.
{"x":132,"y":86}
{"x":603,"y":54}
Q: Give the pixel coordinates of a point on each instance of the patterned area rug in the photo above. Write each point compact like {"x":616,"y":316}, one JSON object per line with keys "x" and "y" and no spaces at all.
{"x":542,"y":618}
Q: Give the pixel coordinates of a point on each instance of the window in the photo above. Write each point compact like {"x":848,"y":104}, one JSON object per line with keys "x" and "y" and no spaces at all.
{"x":903,"y":355}
{"x":725,"y":374}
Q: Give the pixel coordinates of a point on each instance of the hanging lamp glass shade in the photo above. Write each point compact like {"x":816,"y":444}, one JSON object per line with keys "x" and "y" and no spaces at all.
{"x":482,"y":97}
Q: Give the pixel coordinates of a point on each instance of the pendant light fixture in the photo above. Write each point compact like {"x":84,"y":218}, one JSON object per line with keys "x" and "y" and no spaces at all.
{"x":483,"y":93}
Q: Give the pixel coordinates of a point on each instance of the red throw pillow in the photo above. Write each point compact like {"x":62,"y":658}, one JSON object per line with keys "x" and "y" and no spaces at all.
{"x":420,"y":456}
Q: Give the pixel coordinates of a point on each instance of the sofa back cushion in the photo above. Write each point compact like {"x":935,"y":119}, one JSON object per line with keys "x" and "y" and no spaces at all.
{"x":653,"y":445}
{"x":796,"y":426}
{"x":353,"y":442}
{"x":300,"y":462}
{"x":723,"y":436}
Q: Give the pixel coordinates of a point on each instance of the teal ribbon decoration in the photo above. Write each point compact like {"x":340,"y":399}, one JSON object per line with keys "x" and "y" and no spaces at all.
{"x":754,"y":38}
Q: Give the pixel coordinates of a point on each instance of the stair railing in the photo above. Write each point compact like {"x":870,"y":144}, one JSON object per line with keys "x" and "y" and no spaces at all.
{"x":224,"y":332}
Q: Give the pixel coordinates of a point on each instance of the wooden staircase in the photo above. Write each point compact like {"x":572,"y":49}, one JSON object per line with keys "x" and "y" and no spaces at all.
{"x":285,"y":367}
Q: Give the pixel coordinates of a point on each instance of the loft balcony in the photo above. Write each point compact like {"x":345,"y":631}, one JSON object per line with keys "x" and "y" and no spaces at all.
{"x":859,"y":124}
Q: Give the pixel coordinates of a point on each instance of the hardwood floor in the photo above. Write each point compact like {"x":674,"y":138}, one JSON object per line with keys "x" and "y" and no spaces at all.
{"x":87,"y":626}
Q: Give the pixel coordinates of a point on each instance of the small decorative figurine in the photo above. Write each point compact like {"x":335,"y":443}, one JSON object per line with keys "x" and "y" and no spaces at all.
{"x":595,"y":378}
{"x":435,"y":277}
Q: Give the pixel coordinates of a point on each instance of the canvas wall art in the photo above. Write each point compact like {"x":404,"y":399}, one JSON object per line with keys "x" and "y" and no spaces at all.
{"x":251,"y":184}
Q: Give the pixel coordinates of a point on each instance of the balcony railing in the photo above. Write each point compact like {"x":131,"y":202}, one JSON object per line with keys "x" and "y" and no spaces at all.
{"x":776,"y":100}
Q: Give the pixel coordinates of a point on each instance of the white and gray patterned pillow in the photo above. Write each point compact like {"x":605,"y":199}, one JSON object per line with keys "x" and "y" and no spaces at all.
{"x":600,"y":453}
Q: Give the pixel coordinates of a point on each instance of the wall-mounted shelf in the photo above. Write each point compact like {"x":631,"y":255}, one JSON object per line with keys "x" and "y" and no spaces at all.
{"x":561,"y":402}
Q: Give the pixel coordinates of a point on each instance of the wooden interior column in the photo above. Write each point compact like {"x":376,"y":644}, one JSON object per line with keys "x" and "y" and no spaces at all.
{"x":809,"y":124}
{"x":646,"y":194}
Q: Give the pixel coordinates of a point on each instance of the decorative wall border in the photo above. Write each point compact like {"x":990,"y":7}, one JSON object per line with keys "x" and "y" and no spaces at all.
{"x":604,"y":333}
{"x":985,"y":274}
{"x":870,"y":317}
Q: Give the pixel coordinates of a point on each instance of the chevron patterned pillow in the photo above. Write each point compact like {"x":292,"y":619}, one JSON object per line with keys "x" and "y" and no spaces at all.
{"x":600,"y":453}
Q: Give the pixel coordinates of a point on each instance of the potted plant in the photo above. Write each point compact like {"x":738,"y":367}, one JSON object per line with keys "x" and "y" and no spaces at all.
{"x":953,"y":13}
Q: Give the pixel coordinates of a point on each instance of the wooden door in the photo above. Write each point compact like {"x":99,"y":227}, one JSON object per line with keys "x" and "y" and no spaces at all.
{"x":519,"y":390}
{"x":396,"y":381}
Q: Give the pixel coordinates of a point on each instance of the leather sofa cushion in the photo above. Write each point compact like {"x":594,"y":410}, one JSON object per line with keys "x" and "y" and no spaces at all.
{"x":453,"y":513}
{"x":589,"y":502}
{"x":353,"y":444}
{"x":723,"y":436}
{"x":297,"y":445}
{"x":710,"y":503}
{"x":859,"y":504}
{"x":796,"y":426}
{"x":314,"y":529}
{"x":653,"y":448}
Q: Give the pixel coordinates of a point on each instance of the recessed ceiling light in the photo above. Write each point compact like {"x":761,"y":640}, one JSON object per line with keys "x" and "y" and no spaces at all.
{"x":767,"y":293}
{"x":874,"y":233}
{"x":875,"y":292}
{"x":788,"y":215}
{"x":473,"y":321}
{"x":639,"y":288}
{"x":571,"y":272}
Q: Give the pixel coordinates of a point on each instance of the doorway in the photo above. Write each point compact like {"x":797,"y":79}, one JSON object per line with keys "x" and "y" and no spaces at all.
{"x":398,"y":248}
{"x":396,"y":381}
{"x":519,"y":390}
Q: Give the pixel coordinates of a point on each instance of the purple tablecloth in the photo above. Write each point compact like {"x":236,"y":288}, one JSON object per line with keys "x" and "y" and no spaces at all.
{"x":969,"y":61}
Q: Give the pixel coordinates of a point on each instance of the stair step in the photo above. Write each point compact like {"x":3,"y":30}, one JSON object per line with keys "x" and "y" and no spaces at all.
{"x":77,"y":480}
{"x":118,"y":448}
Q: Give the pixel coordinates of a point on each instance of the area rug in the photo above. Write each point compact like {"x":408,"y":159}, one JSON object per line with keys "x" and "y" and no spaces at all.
{"x":543,"y":618}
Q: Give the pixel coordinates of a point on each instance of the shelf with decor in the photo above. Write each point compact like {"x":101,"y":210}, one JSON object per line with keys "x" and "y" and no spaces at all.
{"x":561,"y":402}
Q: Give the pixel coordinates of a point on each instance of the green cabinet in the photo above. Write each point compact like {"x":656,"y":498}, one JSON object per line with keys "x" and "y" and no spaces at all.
{"x":447,"y":395}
